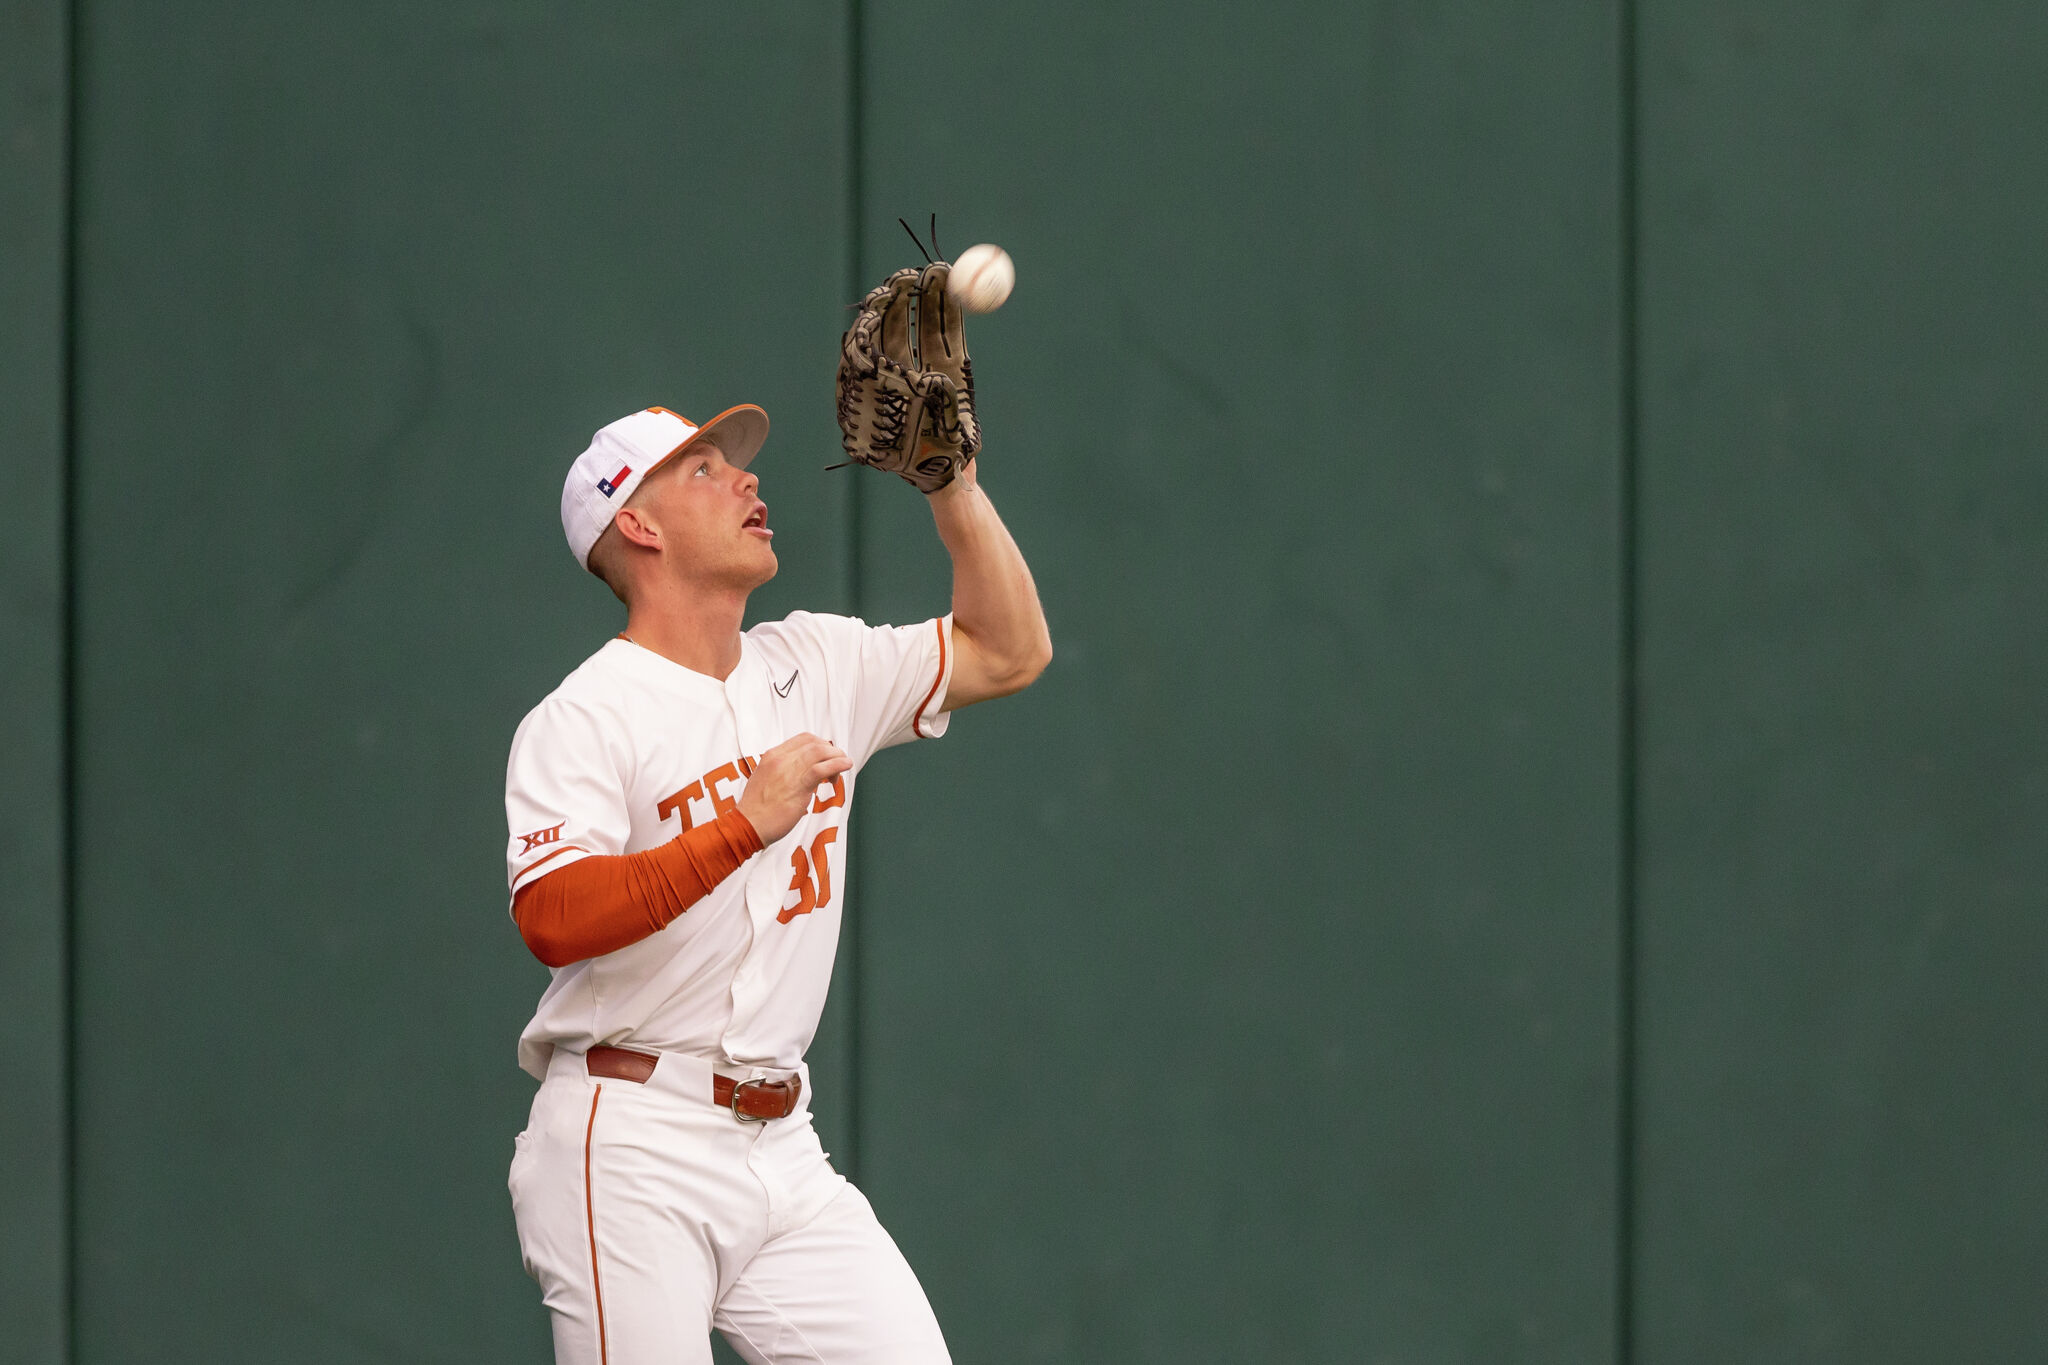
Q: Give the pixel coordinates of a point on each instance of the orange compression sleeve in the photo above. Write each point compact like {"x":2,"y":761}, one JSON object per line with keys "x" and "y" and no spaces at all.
{"x":602,"y":903}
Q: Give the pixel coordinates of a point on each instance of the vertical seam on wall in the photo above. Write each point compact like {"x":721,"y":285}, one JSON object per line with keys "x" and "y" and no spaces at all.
{"x":67,"y":653}
{"x":853,"y":904}
{"x":1628,"y":685}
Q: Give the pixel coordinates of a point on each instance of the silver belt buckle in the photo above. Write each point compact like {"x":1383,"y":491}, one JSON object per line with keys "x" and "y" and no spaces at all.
{"x":737,"y":1087}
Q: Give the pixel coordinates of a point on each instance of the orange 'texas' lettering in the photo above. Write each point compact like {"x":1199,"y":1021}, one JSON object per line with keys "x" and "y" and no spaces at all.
{"x":720,"y":802}
{"x":678,"y":803}
{"x":541,"y":837}
{"x":811,"y":876}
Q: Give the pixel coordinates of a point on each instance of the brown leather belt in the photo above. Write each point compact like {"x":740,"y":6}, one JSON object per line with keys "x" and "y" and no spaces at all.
{"x":752,"y":1101}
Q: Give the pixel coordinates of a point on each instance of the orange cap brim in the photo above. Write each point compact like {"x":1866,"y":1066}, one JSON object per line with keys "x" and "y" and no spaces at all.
{"x":739,"y":433}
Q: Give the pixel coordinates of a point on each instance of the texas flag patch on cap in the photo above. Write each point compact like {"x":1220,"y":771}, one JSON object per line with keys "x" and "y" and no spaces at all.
{"x":611,"y":485}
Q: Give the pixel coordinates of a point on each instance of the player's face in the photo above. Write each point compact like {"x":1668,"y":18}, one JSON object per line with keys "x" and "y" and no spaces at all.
{"x":714,"y":518}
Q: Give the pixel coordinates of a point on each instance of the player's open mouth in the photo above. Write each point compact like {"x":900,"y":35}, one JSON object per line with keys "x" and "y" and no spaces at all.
{"x":757,"y":521}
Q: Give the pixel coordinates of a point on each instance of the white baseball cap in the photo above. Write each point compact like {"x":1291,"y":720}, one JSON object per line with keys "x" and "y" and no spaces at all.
{"x":628,"y":450}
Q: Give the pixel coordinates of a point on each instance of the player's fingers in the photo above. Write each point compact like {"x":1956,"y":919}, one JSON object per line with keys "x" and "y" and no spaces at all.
{"x":812,"y":754}
{"x":828,"y":768}
{"x":790,"y":761}
{"x":814,"y":749}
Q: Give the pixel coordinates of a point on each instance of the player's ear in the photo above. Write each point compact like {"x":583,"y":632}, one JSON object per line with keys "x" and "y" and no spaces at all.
{"x":637,"y":529}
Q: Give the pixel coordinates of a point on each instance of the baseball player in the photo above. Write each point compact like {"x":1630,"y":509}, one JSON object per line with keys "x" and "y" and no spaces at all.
{"x":678,"y":811}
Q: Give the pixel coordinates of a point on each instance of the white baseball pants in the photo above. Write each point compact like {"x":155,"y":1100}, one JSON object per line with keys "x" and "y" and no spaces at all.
{"x":649,"y":1216}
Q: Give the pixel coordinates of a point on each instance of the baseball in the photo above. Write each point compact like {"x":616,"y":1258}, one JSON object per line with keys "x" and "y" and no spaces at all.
{"x":982,"y":278}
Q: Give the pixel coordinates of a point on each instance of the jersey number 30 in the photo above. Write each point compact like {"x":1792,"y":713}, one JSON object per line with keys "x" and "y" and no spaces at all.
{"x":811,"y":876}
{"x":810,"y":870}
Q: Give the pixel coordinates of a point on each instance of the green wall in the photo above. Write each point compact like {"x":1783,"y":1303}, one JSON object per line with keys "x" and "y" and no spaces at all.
{"x":1844,"y":1029}
{"x":34,"y":110}
{"x":1527,"y":852}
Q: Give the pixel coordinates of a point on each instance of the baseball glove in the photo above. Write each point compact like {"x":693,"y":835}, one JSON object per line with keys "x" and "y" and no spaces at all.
{"x":906,"y":387}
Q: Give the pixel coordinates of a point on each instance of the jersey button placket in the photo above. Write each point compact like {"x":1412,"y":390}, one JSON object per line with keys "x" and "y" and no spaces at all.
{"x":755,"y":732}
{"x":748,"y":733}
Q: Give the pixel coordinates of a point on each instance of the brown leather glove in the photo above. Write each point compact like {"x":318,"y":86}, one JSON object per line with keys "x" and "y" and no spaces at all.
{"x":906,"y":387}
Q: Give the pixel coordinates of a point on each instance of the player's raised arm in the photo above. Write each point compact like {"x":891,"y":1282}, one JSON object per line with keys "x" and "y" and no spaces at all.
{"x":999,"y":627}
{"x":906,"y":406}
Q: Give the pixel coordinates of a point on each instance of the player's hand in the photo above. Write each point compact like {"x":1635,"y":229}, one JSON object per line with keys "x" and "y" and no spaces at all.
{"x":785,"y":781}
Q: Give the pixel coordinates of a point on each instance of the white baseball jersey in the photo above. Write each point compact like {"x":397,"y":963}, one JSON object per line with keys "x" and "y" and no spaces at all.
{"x":633,"y":748}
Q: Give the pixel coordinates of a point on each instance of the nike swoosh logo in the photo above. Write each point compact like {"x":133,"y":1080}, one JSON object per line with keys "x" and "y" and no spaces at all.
{"x":783,"y":690}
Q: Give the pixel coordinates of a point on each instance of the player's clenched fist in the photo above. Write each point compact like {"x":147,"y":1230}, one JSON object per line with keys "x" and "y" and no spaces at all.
{"x":785,"y":780}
